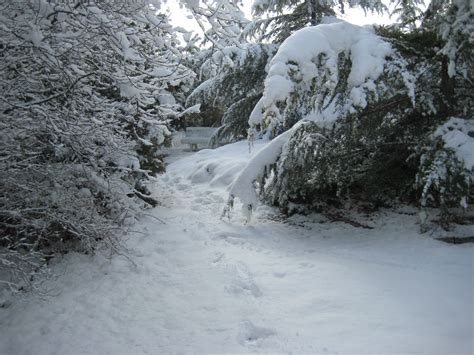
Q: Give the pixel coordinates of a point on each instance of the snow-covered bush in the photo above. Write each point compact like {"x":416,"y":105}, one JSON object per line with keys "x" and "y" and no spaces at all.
{"x":86,"y":100}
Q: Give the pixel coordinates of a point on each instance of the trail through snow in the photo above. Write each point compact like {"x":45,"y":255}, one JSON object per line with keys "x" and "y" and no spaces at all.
{"x":199,"y":284}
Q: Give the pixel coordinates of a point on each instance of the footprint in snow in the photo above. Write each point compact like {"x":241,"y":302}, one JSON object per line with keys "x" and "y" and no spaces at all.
{"x":250,"y":334}
{"x":218,"y":256}
{"x":216,"y":198}
{"x":243,"y":282}
{"x":231,"y":238}
{"x":201,"y":201}
{"x":182,"y":187}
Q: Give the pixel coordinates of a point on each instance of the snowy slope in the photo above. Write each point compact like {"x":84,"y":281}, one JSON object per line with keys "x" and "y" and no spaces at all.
{"x":200,"y":284}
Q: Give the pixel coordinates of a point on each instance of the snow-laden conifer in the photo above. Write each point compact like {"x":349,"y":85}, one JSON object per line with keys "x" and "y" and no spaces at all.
{"x":277,"y":19}
{"x":357,"y":110}
{"x":235,"y":77}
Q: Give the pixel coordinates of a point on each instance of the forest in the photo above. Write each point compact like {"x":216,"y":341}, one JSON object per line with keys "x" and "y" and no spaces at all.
{"x":339,"y":153}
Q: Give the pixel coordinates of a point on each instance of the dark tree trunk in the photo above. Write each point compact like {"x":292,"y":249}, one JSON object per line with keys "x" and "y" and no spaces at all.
{"x":447,"y":89}
{"x":313,"y":12}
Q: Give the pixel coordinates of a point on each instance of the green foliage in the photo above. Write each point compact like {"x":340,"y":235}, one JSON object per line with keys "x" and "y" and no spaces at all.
{"x":233,"y":92}
{"x":285,"y":20}
{"x":276,"y":20}
{"x":363,"y":158}
{"x":446,"y":173}
{"x":407,"y":12}
{"x":444,"y":179}
{"x":419,"y":42}
{"x":234,"y":124}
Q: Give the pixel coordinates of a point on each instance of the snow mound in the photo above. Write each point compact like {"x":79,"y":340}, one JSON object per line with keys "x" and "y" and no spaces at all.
{"x":302,"y":54}
{"x":210,"y":168}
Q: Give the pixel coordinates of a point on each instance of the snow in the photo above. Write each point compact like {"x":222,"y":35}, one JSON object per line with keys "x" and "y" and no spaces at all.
{"x":193,"y":109}
{"x":299,"y":56}
{"x":243,"y":187}
{"x":327,"y":117}
{"x":126,"y":50}
{"x":202,"y":88}
{"x":166,"y":98}
{"x":35,"y":36}
{"x":457,"y":135}
{"x":129,"y":90}
{"x":196,"y":284}
{"x":256,"y":116}
{"x":127,"y":161}
{"x":161,"y":71}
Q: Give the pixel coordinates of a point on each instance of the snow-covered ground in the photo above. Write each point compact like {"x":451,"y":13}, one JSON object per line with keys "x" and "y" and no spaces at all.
{"x":199,"y":284}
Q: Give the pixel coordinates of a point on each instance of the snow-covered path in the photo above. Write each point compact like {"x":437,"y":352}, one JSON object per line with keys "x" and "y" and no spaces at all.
{"x":201,"y":284}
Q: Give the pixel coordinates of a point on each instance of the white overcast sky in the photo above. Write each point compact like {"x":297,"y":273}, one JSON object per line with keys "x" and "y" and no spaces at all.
{"x":356,"y":16}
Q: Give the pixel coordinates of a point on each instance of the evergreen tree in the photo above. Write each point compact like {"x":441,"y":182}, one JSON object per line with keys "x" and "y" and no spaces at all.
{"x":385,"y":121}
{"x":220,"y":20}
{"x":446,"y":171}
{"x":285,"y":17}
{"x":407,"y":12}
{"x":454,"y":22}
{"x":234,"y":84}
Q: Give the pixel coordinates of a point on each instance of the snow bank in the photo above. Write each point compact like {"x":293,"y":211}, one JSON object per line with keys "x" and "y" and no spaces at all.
{"x":300,"y":58}
{"x":243,"y":186}
{"x":232,"y":169}
{"x":208,"y":166}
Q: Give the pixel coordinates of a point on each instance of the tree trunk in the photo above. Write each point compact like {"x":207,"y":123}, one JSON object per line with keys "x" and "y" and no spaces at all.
{"x":447,"y":89}
{"x":313,"y":12}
